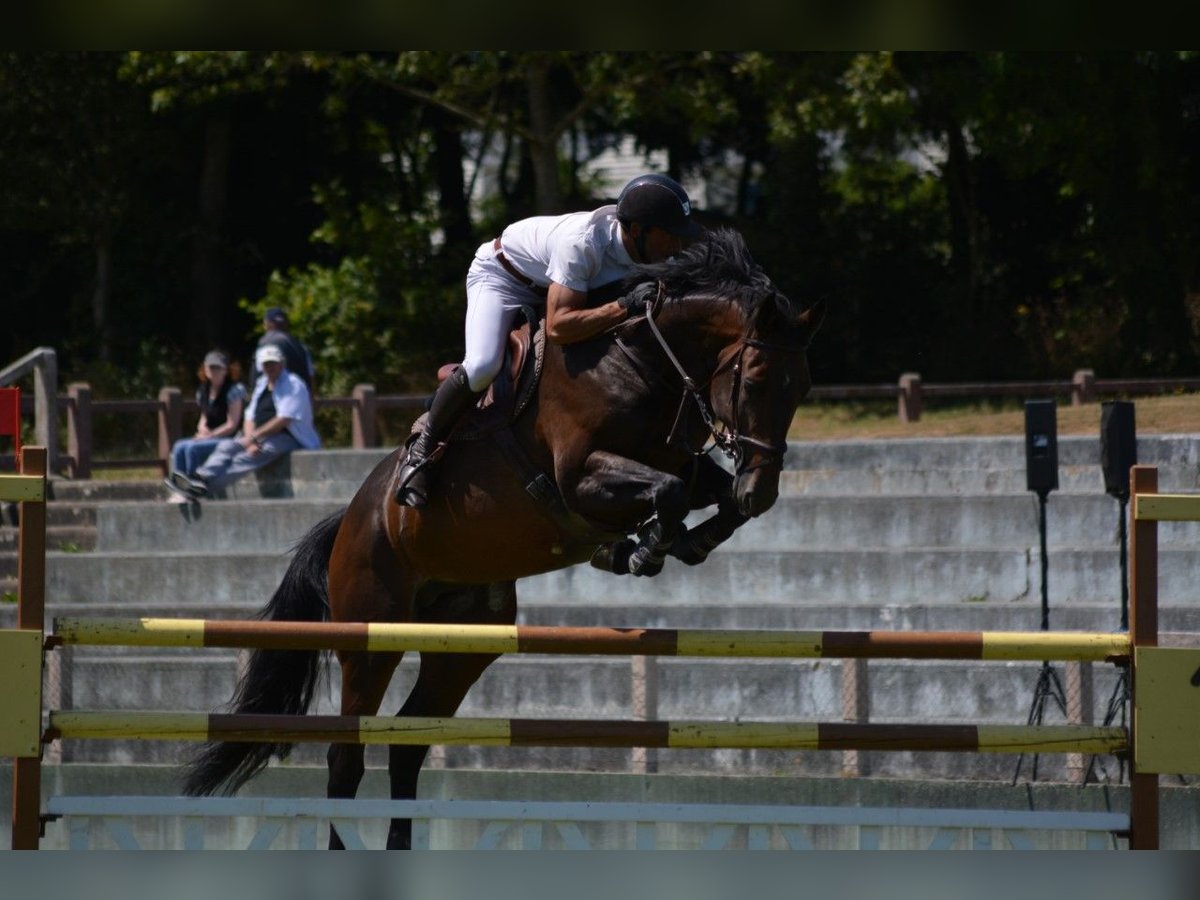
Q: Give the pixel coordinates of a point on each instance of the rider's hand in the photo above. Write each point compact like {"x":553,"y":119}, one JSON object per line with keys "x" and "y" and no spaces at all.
{"x":636,"y":301}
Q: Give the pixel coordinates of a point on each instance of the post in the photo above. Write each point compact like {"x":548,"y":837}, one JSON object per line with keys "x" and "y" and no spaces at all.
{"x":643,"y":672}
{"x":1143,"y":632}
{"x":1080,"y":703}
{"x":31,"y":616}
{"x":170,"y":424}
{"x":1083,"y":387}
{"x":856,"y":707}
{"x":79,"y":429}
{"x":910,"y":397}
{"x":362,"y":419}
{"x":45,"y":405}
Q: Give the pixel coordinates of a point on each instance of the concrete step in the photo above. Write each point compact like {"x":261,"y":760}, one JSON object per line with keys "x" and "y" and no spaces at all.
{"x":979,"y":453}
{"x":934,"y":481}
{"x":68,"y":538}
{"x":795,"y":522}
{"x":269,"y":526}
{"x":66,"y":491}
{"x":822,"y":576}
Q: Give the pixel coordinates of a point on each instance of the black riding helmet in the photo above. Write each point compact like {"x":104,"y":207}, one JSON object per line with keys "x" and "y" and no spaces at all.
{"x":657,"y":200}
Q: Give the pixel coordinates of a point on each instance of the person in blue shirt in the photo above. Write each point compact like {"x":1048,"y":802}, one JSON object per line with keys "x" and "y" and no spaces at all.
{"x":278,"y":420}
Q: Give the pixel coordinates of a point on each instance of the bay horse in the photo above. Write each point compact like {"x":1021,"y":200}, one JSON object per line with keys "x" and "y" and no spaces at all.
{"x":616,"y":430}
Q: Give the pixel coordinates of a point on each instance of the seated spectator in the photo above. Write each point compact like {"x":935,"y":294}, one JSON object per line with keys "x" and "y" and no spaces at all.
{"x":222,"y":399}
{"x":296,"y":355}
{"x":278,"y":420}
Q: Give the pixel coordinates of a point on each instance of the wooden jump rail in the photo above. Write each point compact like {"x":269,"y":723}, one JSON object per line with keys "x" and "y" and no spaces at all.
{"x":1155,"y":741}
{"x":431,"y":638}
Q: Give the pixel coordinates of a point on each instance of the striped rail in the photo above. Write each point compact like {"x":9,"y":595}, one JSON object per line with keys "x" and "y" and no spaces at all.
{"x":434,"y":638}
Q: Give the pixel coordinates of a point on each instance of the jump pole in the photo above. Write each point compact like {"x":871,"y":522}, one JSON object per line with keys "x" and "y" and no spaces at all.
{"x":1002,"y":646}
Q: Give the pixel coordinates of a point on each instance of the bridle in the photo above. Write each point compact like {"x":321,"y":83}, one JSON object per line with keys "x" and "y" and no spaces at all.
{"x":728,"y":440}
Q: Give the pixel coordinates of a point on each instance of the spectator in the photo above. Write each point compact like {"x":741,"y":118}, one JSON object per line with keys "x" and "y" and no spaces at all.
{"x":278,"y":420}
{"x":222,"y":399}
{"x":295,"y":354}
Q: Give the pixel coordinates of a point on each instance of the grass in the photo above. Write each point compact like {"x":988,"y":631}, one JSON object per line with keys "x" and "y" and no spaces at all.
{"x":1174,"y":414}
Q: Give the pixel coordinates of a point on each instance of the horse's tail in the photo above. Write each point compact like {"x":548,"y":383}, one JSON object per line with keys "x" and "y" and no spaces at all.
{"x":275,"y":681}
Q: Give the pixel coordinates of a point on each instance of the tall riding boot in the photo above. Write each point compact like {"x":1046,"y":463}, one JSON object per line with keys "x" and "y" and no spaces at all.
{"x":451,"y":400}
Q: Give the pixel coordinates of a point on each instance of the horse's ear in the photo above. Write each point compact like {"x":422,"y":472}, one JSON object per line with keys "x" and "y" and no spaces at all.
{"x":812,"y":317}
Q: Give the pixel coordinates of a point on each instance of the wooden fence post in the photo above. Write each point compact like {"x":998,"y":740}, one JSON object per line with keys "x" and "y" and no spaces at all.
{"x":1083,"y":387}
{"x":910,"y":397}
{"x":170,"y":424}
{"x":362,"y":418}
{"x":79,"y":429}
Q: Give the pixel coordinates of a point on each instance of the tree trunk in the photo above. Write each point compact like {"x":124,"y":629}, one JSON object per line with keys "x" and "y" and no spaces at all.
{"x":543,"y":150}
{"x":102,"y":293}
{"x":204,"y":317}
{"x":448,"y":168}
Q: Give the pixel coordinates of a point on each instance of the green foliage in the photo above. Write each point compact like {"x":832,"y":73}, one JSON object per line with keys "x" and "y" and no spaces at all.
{"x":969,"y":214}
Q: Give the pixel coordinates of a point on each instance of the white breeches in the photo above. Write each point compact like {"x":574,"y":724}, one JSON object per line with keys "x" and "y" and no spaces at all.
{"x":494,"y":299}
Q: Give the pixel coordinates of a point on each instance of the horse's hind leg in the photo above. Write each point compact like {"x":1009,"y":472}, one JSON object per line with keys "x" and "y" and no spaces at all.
{"x":443,"y":681}
{"x":365,"y":678}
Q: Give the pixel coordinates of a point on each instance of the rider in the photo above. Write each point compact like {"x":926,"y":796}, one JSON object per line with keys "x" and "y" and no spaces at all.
{"x":553,"y":260}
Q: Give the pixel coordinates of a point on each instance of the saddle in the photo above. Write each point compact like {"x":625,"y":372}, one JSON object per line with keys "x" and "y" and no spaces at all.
{"x":501,"y":406}
{"x":509,"y":395}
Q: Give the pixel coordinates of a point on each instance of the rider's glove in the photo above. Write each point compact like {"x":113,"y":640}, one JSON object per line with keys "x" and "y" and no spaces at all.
{"x":636,"y":301}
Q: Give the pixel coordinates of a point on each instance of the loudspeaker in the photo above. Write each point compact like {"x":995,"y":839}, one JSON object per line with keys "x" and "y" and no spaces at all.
{"x":1041,"y":445}
{"x":1118,"y":445}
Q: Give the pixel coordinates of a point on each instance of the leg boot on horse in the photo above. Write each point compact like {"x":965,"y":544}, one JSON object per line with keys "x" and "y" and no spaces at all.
{"x":451,"y":401}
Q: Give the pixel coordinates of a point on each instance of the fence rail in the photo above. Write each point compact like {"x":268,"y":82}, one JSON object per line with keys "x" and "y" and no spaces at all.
{"x":364,"y":406}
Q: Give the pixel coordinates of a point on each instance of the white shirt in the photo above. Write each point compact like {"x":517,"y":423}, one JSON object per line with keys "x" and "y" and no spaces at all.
{"x":580,"y":251}
{"x":292,"y":402}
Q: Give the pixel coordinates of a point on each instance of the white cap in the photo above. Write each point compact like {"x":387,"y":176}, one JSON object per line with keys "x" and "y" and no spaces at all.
{"x":268,"y":353}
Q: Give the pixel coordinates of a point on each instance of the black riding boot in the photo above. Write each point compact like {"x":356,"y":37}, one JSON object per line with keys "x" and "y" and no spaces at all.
{"x":451,"y":400}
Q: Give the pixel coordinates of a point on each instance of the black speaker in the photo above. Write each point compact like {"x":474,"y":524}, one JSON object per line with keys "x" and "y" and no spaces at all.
{"x":1041,"y":445}
{"x":1118,"y":445}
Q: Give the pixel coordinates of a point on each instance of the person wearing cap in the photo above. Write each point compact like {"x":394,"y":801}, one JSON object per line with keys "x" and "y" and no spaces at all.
{"x":552,"y":261}
{"x":296,"y":354}
{"x":221,"y":398}
{"x":278,"y":420}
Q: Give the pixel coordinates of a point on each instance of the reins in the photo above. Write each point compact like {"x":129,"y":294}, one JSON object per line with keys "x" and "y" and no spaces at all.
{"x":727,"y":440}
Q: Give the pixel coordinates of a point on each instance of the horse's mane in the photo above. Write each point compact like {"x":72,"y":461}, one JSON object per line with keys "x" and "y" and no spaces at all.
{"x":718,"y":266}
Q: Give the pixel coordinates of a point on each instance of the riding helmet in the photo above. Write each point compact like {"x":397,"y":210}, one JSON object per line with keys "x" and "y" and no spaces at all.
{"x":658,"y":200}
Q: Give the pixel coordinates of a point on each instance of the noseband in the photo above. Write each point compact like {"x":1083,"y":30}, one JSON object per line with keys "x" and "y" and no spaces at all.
{"x":727,"y":440}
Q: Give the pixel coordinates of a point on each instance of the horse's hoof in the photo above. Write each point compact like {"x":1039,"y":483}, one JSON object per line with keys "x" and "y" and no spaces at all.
{"x":646,"y":563}
{"x":613,"y":557}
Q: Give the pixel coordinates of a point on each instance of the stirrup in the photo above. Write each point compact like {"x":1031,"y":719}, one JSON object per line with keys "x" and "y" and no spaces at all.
{"x":412,"y":488}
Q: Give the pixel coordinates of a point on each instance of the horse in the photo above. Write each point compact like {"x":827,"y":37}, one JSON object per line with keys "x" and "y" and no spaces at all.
{"x":612,"y":458}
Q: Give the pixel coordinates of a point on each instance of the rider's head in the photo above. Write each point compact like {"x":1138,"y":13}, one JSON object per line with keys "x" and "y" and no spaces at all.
{"x":656,"y":214}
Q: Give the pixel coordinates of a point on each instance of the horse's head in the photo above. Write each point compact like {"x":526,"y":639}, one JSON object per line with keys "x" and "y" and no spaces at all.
{"x":753,"y":340}
{"x":760,"y":380}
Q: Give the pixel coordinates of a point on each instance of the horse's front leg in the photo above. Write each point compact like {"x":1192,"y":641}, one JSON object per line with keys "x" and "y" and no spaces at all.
{"x":614,"y":489}
{"x":712,"y":484}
